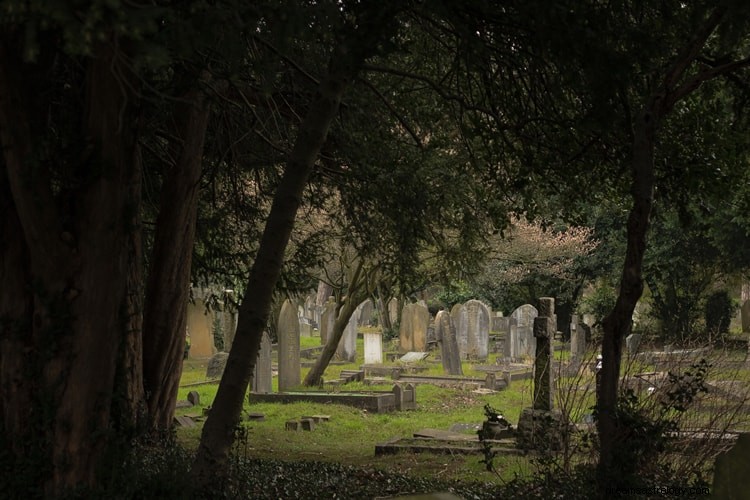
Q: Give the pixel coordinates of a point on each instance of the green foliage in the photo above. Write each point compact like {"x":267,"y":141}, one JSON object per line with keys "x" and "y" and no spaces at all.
{"x":600,"y":301}
{"x":644,"y":432}
{"x":457,"y":292}
{"x":682,"y":268}
{"x":718,"y":313}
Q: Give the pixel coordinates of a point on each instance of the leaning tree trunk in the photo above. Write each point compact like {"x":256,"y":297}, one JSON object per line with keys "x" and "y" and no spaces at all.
{"x":75,"y":256}
{"x":168,"y":287}
{"x":356,"y":295}
{"x":216,"y":439}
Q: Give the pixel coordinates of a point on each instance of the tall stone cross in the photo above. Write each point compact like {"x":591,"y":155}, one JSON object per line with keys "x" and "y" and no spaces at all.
{"x":545,"y":325}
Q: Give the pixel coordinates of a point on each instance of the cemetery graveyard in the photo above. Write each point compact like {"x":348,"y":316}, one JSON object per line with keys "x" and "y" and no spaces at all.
{"x":420,"y":398}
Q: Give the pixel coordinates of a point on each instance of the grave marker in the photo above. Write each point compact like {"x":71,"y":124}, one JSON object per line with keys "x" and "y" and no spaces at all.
{"x":445,"y":333}
{"x":289,"y":364}
{"x":415,"y":319}
{"x":373,"y":347}
{"x":477,"y":330}
{"x":524,"y":316}
{"x":263,"y":372}
{"x":347,"y":348}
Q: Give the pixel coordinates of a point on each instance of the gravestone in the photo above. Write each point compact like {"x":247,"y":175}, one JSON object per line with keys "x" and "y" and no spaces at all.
{"x":373,"y":347}
{"x":305,"y":328}
{"x":288,"y":331}
{"x":524,"y":316}
{"x":445,"y":333}
{"x":632,"y":342}
{"x":199,"y":327}
{"x":406,"y":397}
{"x":578,"y":340}
{"x":498,"y":322}
{"x":216,"y":365}
{"x":263,"y":372}
{"x":540,"y":427}
{"x":412,"y":333}
{"x":309,"y":308}
{"x":745,"y":316}
{"x":460,"y":318}
{"x":392,"y":310}
{"x":347,"y":348}
{"x":327,"y":320}
{"x":512,"y":347}
{"x":477,"y":330}
{"x":194,"y":398}
{"x":413,"y":357}
{"x":545,"y":326}
{"x":364,"y":313}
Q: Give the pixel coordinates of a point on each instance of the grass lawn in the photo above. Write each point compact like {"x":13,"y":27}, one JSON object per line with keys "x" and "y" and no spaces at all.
{"x":351,"y":434}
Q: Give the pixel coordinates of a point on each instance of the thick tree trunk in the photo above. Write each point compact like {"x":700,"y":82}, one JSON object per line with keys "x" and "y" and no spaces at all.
{"x":168,"y":287}
{"x":77,"y":264}
{"x":216,"y":439}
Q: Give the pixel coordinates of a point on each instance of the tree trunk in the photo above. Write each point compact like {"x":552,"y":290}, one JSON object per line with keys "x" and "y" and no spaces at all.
{"x":77,"y":261}
{"x":617,"y":324}
{"x":351,"y":302}
{"x":168,"y":287}
{"x":212,"y":455}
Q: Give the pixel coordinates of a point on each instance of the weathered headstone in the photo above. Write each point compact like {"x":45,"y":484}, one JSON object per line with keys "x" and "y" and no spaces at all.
{"x":545,"y":326}
{"x":194,"y":398}
{"x":263,"y":372}
{"x":460,"y":318}
{"x":578,"y":340}
{"x":745,"y":316}
{"x":327,"y":320}
{"x":373,"y":347}
{"x":478,"y":330}
{"x":288,"y":331}
{"x":511,"y":347}
{"x":415,"y":319}
{"x":406,"y":397}
{"x":200,"y":327}
{"x":392,"y":310}
{"x":216,"y":365}
{"x":524,"y":316}
{"x":347,"y":348}
{"x":364,"y":313}
{"x":309,"y":311}
{"x":305,"y":328}
{"x":632,"y":342}
{"x":541,"y":427}
{"x":413,"y":357}
{"x":445,"y":333}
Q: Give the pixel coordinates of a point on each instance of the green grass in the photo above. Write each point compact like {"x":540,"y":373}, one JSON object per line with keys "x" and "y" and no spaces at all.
{"x":351,"y":434}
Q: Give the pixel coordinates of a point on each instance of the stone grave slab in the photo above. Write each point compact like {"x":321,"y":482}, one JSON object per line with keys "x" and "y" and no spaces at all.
{"x":413,"y":357}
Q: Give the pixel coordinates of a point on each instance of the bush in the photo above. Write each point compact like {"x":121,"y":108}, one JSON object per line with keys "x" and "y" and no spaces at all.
{"x":719,"y":312}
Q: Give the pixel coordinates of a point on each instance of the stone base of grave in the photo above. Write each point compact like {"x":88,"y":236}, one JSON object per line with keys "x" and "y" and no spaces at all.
{"x":541,"y":430}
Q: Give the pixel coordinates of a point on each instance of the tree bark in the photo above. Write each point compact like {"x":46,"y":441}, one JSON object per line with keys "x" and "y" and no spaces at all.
{"x":212,"y":455}
{"x":77,"y":262}
{"x":168,"y":285}
{"x":617,"y":323}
